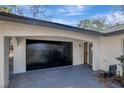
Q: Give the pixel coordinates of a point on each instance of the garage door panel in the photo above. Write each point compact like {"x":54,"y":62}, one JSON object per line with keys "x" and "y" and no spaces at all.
{"x":46,"y":54}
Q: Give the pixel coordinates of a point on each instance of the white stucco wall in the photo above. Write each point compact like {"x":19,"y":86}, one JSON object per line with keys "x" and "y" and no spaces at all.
{"x":1,"y":60}
{"x":19,"y":64}
{"x":22,"y":31}
{"x":4,"y":67}
{"x":4,"y":77}
{"x":111,"y":47}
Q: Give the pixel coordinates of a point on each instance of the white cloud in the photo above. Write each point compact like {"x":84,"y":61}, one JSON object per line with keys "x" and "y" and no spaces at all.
{"x":73,"y":10}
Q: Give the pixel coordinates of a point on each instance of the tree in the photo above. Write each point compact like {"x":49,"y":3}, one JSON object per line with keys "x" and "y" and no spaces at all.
{"x":11,"y":9}
{"x":16,"y":9}
{"x":40,"y":12}
{"x":117,"y":11}
{"x":103,"y":22}
{"x":85,"y":24}
{"x":5,"y":9}
{"x":121,"y":7}
{"x":96,"y":24}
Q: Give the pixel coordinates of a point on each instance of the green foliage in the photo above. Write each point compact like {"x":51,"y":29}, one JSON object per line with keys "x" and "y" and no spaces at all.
{"x":5,"y":10}
{"x":121,"y":59}
{"x":85,"y":23}
{"x":99,"y":23}
{"x":94,"y":24}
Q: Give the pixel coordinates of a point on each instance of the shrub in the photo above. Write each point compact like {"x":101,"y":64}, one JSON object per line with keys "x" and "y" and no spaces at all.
{"x":121,"y":59}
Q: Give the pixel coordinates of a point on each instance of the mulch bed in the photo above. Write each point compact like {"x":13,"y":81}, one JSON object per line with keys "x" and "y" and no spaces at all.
{"x":109,"y":82}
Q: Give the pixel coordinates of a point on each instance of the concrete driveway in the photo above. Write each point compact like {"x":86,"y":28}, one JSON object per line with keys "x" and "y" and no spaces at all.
{"x":80,"y":76}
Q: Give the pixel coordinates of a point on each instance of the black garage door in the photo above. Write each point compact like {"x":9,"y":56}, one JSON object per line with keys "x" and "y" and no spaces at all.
{"x":47,"y":54}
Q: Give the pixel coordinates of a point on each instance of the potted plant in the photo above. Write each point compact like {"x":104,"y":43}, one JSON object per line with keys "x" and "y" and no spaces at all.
{"x":121,"y":59}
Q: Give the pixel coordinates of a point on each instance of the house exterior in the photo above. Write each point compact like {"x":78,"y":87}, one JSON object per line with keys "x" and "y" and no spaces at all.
{"x":84,"y":46}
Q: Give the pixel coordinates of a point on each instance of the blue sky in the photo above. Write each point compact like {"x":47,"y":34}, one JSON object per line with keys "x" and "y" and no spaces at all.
{"x":71,"y":15}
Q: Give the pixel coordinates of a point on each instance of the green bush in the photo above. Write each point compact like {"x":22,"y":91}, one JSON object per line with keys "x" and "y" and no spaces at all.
{"x":121,"y":59}
{"x":5,"y":10}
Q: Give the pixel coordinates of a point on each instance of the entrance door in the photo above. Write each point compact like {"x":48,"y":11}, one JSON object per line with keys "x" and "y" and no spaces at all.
{"x":90,"y":54}
{"x":85,"y":52}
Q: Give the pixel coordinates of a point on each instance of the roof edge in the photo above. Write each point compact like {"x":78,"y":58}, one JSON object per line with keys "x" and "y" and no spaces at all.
{"x":26,"y":20}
